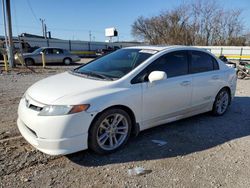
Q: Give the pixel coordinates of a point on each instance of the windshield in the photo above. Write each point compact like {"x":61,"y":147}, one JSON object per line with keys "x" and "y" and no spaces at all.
{"x":37,"y":51}
{"x":116,"y":64}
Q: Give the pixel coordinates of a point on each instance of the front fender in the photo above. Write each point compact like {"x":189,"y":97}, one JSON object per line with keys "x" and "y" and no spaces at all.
{"x":131,"y":98}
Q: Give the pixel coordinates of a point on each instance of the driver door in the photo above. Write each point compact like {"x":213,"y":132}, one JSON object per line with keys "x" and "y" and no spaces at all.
{"x":167,"y":100}
{"x":48,"y":55}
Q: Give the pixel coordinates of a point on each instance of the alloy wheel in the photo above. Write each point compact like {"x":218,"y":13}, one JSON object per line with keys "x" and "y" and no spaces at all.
{"x":222,"y":102}
{"x":112,"y":131}
{"x":67,"y":61}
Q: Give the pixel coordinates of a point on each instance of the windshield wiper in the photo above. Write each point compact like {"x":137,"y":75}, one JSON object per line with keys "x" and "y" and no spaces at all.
{"x":99,"y":75}
{"x":95,"y":74}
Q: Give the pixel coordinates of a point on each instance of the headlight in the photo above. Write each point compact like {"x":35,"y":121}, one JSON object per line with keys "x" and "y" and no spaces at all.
{"x":57,"y":110}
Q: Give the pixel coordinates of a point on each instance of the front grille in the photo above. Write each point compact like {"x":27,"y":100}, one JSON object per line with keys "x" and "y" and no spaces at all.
{"x":36,"y":108}
{"x":32,"y":106}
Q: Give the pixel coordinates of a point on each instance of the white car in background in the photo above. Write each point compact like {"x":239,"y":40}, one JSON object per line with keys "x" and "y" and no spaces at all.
{"x":52,"y":55}
{"x":100,"y":104}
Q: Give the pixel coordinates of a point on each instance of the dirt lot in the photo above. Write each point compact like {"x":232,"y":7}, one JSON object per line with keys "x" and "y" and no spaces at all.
{"x":202,"y":151}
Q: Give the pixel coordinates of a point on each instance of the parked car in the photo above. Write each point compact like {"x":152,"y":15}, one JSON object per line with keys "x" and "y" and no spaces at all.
{"x":228,"y":63}
{"x":100,"y":104}
{"x":102,"y":52}
{"x":52,"y":55}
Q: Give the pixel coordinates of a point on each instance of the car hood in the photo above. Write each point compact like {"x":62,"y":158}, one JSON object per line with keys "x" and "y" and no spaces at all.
{"x":28,"y":54}
{"x":51,"y":89}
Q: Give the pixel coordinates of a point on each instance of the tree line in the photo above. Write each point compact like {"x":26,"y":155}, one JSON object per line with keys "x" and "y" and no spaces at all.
{"x":201,"y":23}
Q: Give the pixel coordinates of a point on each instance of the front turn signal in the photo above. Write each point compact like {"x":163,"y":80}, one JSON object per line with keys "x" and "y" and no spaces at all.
{"x":79,"y":108}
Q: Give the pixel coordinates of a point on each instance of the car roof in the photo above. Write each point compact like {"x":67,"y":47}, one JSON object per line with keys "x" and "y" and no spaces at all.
{"x":51,"y":48}
{"x":163,"y":48}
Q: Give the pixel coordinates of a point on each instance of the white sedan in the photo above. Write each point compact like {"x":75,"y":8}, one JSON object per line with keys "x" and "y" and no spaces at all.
{"x":99,"y":105}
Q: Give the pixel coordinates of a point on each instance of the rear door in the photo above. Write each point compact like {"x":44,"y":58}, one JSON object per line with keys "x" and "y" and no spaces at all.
{"x":58,"y":55}
{"x":206,"y":79}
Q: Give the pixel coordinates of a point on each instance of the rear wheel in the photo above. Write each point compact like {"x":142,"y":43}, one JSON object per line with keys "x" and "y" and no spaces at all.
{"x":240,"y":74}
{"x":221,"y":102}
{"x":110,"y":131}
{"x":67,"y":61}
{"x":29,"y":62}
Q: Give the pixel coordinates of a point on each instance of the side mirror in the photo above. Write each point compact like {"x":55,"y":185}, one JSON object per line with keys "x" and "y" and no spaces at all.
{"x":157,"y":76}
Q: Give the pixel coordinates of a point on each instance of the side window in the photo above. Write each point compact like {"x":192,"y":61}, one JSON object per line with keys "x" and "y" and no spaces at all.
{"x":57,"y":51}
{"x":202,"y":62}
{"x":174,"y":64}
{"x":48,"y":51}
{"x":215,"y":64}
{"x":65,"y":52}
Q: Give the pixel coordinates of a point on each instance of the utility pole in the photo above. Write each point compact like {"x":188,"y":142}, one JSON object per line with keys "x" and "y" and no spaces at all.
{"x":4,"y":22}
{"x":49,"y":33}
{"x":45,"y":31}
{"x":43,"y":26}
{"x":90,"y":35}
{"x":9,"y":26}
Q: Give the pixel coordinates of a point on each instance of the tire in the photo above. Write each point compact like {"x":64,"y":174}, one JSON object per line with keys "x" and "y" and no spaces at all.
{"x":240,"y":74}
{"x":29,"y":62}
{"x":67,"y":61}
{"x":104,"y":132}
{"x":221,"y":102}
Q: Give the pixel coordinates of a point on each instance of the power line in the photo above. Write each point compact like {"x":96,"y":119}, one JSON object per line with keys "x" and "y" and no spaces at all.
{"x":32,"y":11}
{"x":66,"y":29}
{"x":54,"y":28}
{"x":69,"y":30}
{"x":24,"y":26}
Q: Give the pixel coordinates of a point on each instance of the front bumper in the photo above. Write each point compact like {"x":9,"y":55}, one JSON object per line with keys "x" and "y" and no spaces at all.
{"x":54,"y":135}
{"x":54,"y":146}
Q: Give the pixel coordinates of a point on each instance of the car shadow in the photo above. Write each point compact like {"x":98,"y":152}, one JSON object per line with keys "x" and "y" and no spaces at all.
{"x":183,"y":137}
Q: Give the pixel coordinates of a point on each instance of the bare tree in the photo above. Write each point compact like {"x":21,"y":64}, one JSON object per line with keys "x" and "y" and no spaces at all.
{"x":168,"y":27}
{"x":199,"y":23}
{"x":247,"y":38}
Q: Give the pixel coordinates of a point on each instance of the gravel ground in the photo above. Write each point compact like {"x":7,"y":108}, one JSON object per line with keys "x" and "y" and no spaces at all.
{"x":202,"y":151}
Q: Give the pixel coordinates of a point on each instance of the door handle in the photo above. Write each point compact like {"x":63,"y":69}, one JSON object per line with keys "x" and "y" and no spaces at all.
{"x":216,"y":77}
{"x":185,"y":83}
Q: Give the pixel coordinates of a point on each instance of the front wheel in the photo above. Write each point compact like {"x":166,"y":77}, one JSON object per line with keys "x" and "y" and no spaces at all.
{"x":67,"y":61}
{"x":110,"y":131}
{"x":221,"y":102}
